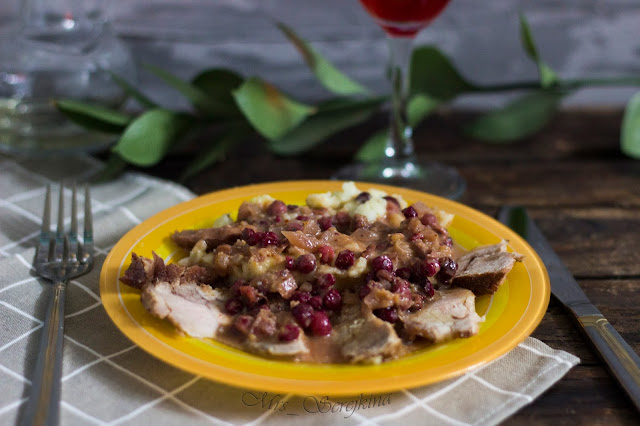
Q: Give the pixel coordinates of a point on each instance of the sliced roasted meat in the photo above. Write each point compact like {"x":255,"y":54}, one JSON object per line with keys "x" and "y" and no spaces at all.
{"x":194,"y":309}
{"x":363,"y":337}
{"x":281,"y":349}
{"x":450,"y":314}
{"x":227,"y":234}
{"x":485,"y":268}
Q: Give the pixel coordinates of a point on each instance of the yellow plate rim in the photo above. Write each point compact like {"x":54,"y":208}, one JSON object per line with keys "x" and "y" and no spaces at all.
{"x":243,"y":370}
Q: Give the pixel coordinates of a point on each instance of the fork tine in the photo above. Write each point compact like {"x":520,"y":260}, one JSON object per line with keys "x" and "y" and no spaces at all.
{"x":88,"y":225}
{"x":59,"y":243}
{"x":73,"y":231}
{"x":42,"y":251}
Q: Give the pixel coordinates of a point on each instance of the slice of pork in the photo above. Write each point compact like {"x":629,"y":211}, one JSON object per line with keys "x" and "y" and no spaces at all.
{"x":226,"y":234}
{"x":362,"y":336}
{"x":485,"y":268}
{"x":450,"y":314}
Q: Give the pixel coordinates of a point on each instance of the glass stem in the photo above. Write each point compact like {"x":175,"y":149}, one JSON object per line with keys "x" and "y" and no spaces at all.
{"x":399,"y":142}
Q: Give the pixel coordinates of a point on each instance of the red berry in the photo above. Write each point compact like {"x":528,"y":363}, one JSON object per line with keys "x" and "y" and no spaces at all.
{"x":448,"y":268}
{"x":325,"y":222}
{"x":302,"y":313}
{"x":387,"y":314}
{"x":326,"y":254}
{"x":302,"y":217}
{"x":429,"y":219}
{"x":409,"y":212}
{"x":325,"y":281}
{"x":364,"y":291}
{"x":270,"y":239}
{"x":345,"y":259}
{"x":332,"y":300}
{"x":289,"y":263}
{"x":316,"y":303}
{"x":382,"y":263}
{"x":320,"y":324}
{"x":306,"y":263}
{"x":243,"y":324}
{"x":392,"y":200}
{"x":289,"y":332}
{"x":363,"y":197}
{"x":301,"y":296}
{"x":432,"y":267}
{"x":428,"y":288}
{"x":251,"y":237}
{"x":233,"y":306}
{"x":276,"y":208}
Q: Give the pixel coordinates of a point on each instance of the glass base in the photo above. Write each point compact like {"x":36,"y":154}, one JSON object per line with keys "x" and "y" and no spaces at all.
{"x":432,"y":177}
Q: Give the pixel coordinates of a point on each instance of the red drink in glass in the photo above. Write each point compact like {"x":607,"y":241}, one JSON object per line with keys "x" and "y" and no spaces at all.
{"x":404,"y":18}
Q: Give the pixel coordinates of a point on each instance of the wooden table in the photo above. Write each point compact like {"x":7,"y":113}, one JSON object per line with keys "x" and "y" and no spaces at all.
{"x":577,"y":185}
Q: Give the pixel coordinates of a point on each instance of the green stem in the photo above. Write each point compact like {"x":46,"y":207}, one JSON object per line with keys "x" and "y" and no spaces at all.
{"x":565,"y":84}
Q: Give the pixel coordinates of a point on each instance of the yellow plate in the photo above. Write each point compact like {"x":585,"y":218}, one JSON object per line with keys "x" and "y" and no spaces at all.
{"x":511,"y":314}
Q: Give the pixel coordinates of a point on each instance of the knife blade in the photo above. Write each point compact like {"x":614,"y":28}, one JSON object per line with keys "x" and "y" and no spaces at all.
{"x":623,"y":362}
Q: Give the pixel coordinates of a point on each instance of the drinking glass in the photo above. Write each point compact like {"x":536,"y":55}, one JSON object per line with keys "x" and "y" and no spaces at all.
{"x":402,"y":20}
{"x":58,"y":49}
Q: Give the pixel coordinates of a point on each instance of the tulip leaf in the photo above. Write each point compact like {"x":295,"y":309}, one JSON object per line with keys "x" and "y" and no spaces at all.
{"x":630,"y":132}
{"x":132,"y":91}
{"x":218,"y":83}
{"x":150,"y":136}
{"x":517,"y":120}
{"x":326,"y":73}
{"x":214,"y":153}
{"x":433,"y":74}
{"x":326,"y":122}
{"x":92,"y":116}
{"x":548,"y":77}
{"x":269,"y":111}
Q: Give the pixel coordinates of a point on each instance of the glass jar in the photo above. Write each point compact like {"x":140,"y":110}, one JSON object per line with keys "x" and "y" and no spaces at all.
{"x":60,"y":49}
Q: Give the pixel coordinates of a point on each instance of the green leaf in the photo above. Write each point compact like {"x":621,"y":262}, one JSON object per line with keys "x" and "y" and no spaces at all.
{"x":148,"y":138}
{"x":218,"y":83}
{"x":198,"y":98}
{"x":113,"y":168}
{"x":268,"y":110}
{"x":328,"y":75}
{"x":419,"y":107}
{"x":92,"y":116}
{"x":373,"y":149}
{"x":212,"y":154}
{"x":548,"y":77}
{"x":517,"y":120}
{"x":132,"y":91}
{"x":433,"y":74}
{"x":323,"y":124}
{"x":630,"y":132}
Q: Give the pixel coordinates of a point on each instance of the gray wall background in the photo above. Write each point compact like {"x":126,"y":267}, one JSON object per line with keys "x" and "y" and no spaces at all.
{"x":579,"y":38}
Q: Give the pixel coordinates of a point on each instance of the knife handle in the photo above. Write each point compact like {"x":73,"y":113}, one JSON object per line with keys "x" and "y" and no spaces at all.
{"x":623,"y":362}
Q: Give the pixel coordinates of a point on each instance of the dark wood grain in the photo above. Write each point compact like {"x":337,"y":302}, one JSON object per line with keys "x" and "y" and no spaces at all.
{"x":582,"y":191}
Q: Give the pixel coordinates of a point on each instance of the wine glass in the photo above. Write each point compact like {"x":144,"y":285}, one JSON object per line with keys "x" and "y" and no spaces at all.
{"x":402,"y":20}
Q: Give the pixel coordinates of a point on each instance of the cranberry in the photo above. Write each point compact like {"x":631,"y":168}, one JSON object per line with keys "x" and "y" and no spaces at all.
{"x":325,"y":222}
{"x":417,"y":236}
{"x":364,"y":291}
{"x":289,"y":263}
{"x":288,"y":333}
{"x":429,"y":219}
{"x":391,"y":199}
{"x":404,"y":273}
{"x":320,"y":324}
{"x":293,"y":226}
{"x":363,"y":197}
{"x":332,"y":300}
{"x":306,"y":263}
{"x":251,"y":237}
{"x":325,"y":281}
{"x":428,"y":288}
{"x":302,"y":217}
{"x":410,"y":212}
{"x":448,"y":268}
{"x":448,"y":242}
{"x":301,"y":296}
{"x":270,"y":239}
{"x":292,"y":207}
{"x":342,"y":220}
{"x":432,"y":267}
{"x":382,"y":263}
{"x":316,"y":303}
{"x":276,"y":208}
{"x":233,"y":306}
{"x":345,"y":259}
{"x":302,"y":313}
{"x":400,"y":286}
{"x":326,"y":254}
{"x":278,"y":219}
{"x":243,"y":324}
{"x":387,"y":314}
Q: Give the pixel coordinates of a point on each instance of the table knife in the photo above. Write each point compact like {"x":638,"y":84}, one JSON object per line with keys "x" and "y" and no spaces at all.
{"x":623,"y":362}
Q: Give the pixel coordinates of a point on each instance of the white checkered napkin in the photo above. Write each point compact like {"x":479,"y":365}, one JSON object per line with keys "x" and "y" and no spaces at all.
{"x":109,"y":380}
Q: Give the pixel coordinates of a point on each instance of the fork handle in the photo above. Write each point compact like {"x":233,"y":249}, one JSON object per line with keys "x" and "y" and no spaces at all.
{"x":43,"y":407}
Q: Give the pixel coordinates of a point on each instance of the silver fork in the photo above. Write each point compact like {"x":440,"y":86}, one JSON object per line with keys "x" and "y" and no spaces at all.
{"x":59,"y":258}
